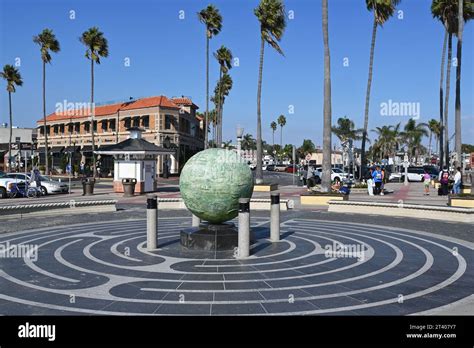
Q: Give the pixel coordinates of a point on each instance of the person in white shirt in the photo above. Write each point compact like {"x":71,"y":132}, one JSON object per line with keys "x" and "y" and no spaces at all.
{"x":457,"y":181}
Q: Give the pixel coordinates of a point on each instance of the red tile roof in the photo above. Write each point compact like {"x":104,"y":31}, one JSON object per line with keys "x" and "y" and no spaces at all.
{"x":111,"y":109}
{"x":184,"y":101}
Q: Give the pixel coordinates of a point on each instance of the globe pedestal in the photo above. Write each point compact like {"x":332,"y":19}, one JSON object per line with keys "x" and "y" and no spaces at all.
{"x":210,"y":237}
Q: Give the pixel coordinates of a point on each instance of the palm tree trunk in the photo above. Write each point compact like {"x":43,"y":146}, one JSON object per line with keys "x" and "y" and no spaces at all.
{"x":457,"y":119}
{"x":11,"y":133}
{"x":219,"y":107}
{"x":429,"y":153}
{"x":206,"y":122}
{"x":273,"y":138}
{"x":446,"y":100}
{"x":326,"y":171}
{"x":259,"y":171}
{"x":44,"y":121}
{"x":441,"y":112}
{"x":281,"y":137}
{"x":367,"y":99}
{"x":94,"y":168}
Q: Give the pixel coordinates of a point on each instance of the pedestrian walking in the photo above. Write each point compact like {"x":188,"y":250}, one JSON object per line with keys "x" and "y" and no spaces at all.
{"x":457,"y":181}
{"x":426,"y":182}
{"x":370,"y":182}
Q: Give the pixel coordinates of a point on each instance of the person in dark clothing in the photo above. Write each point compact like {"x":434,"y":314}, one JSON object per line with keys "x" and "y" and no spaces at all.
{"x":444,"y":181}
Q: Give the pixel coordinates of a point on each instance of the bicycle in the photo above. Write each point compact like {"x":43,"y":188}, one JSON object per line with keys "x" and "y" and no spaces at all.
{"x":24,"y":189}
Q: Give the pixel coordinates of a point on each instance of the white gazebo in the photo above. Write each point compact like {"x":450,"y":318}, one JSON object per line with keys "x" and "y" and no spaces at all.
{"x":135,"y":158}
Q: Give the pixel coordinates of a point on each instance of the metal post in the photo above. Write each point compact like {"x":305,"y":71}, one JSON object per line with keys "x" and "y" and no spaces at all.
{"x":151,"y":221}
{"x":244,"y":228}
{"x":275,"y":217}
{"x":405,"y":163}
{"x":294,"y":163}
{"x":196,"y":221}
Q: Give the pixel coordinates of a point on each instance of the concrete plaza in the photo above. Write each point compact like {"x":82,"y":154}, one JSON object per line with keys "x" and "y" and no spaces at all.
{"x":97,"y":263}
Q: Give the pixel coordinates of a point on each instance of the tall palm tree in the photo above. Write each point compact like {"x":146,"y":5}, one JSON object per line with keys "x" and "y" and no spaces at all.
{"x":212,"y":19}
{"x":271,"y":15}
{"x":273,"y":126}
{"x":433,"y":127}
{"x":13,"y":78}
{"x":446,"y":11}
{"x":48,"y":43}
{"x":382,"y":10}
{"x":281,"y":122}
{"x":96,"y":47}
{"x":465,"y":13}
{"x":224,"y":58}
{"x":326,"y":165}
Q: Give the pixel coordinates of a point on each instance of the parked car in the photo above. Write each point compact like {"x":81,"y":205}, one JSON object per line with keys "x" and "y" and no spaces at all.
{"x":48,"y":186}
{"x":6,"y":185}
{"x":291,"y":169}
{"x":2,"y":174}
{"x":336,"y":174}
{"x":414,"y":174}
{"x":280,"y":167}
{"x":271,"y":168}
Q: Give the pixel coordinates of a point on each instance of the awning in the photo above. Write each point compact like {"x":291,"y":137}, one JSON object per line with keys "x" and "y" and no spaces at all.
{"x":72,"y":148}
{"x":56,"y":149}
{"x":86,"y":148}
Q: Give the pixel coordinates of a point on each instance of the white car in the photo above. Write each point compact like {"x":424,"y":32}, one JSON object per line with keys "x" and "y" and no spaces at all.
{"x":47,"y":185}
{"x":336,"y":174}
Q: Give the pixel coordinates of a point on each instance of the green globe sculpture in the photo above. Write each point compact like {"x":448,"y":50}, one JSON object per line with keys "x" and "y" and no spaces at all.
{"x":211,"y":183}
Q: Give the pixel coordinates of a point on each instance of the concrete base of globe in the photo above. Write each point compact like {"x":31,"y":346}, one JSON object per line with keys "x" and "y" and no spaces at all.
{"x":210,"y":237}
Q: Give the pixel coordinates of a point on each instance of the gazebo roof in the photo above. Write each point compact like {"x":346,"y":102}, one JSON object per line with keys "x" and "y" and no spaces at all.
{"x":134,"y":146}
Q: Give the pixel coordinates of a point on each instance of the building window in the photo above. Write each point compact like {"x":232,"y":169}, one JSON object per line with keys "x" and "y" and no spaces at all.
{"x":87,"y":127}
{"x":61,"y":129}
{"x":55,"y":129}
{"x":104,"y":126}
{"x":168,"y":121}
{"x":112,"y":125}
{"x":95,"y":126}
{"x":127,"y":122}
{"x":136,"y":122}
{"x":41,"y":131}
{"x":146,"y":121}
{"x":77,"y":128}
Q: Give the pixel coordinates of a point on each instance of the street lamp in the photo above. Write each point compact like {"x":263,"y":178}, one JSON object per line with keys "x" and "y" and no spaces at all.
{"x":239,"y":133}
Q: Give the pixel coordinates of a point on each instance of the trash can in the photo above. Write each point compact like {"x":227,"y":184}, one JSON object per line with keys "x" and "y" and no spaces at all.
{"x":88,"y":186}
{"x":129,"y":186}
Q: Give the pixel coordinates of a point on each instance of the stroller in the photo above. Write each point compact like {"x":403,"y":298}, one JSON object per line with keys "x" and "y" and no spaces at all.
{"x":23,"y":189}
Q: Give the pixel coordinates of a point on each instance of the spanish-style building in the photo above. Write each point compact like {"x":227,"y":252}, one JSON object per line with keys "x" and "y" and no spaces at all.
{"x":69,"y":129}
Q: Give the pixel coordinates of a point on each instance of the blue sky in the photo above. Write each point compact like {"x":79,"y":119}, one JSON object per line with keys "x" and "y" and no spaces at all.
{"x":167,"y":56}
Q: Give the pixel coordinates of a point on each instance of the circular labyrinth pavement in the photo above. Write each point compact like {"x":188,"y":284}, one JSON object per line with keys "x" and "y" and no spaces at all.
{"x":319,"y":267}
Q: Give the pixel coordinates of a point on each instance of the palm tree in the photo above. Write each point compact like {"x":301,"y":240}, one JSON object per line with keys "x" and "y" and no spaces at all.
{"x":281,"y":122}
{"x":412,"y":135}
{"x":271,"y":15}
{"x":383,"y":10}
{"x":224,"y":58}
{"x":326,"y":168}
{"x":248,"y":142}
{"x":447,"y":12}
{"x":345,"y":130}
{"x":465,"y":13}
{"x":273,"y":126}
{"x":47,"y":42}
{"x":96,"y":47}
{"x":387,"y":139}
{"x":223,"y":87}
{"x":13,"y":78}
{"x":434,"y":128}
{"x":212,"y":19}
